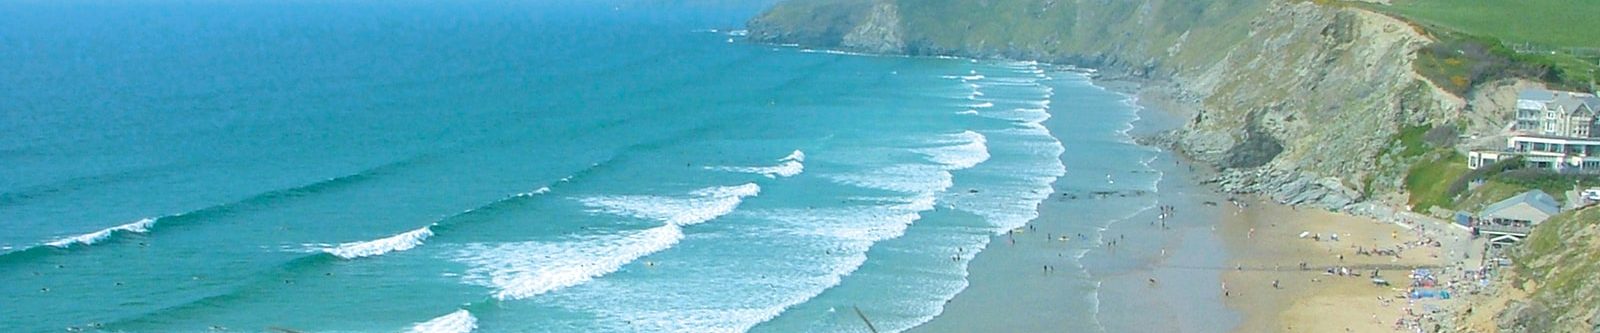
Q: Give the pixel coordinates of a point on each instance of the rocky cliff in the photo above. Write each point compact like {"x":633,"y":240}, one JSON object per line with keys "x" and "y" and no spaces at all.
{"x":1294,"y":100}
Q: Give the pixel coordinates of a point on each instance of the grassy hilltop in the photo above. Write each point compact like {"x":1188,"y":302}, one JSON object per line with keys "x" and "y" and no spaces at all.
{"x":1556,"y":41}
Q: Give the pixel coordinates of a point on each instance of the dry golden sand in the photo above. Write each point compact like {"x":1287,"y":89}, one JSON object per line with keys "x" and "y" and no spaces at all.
{"x":1310,"y":300}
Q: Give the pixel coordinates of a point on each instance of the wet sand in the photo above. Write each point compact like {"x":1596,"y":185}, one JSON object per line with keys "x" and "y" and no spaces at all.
{"x":1010,"y":291}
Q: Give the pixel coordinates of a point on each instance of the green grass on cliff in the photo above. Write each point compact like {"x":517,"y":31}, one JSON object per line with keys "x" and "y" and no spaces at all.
{"x":1554,"y":41}
{"x":1556,"y":23}
{"x":1429,"y":180}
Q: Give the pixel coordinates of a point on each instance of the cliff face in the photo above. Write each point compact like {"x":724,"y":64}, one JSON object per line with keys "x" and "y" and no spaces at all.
{"x":1297,"y":101}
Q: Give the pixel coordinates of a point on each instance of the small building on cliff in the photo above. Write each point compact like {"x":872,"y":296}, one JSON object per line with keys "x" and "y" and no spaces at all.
{"x":1510,"y":220}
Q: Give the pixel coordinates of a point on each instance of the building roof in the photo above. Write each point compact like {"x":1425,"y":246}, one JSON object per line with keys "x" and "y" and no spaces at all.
{"x":1535,"y":98}
{"x":1536,"y":94}
{"x":1525,"y":206}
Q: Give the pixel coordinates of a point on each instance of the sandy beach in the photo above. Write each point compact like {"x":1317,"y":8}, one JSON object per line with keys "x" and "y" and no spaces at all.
{"x":1217,"y":263}
{"x":1268,"y":248}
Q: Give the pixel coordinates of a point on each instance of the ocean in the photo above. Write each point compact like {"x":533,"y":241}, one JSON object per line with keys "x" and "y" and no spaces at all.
{"x":514,"y":166}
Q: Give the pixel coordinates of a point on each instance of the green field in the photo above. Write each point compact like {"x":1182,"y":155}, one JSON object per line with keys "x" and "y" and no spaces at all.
{"x":1555,"y":23}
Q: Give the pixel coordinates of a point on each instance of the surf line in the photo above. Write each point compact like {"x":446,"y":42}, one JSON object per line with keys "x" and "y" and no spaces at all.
{"x":788,"y":166}
{"x":498,"y":267}
{"x":413,"y":238}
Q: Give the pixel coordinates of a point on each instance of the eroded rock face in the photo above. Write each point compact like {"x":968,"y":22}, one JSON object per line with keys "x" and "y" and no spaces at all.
{"x":1334,"y":85}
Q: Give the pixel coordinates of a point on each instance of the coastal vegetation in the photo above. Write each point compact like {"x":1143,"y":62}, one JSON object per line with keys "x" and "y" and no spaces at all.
{"x":1551,"y":284}
{"x":1429,"y":181}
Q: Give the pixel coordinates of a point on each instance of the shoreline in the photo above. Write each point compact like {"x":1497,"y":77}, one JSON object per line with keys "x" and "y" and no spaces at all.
{"x":1006,"y":279}
{"x":1214,"y":274}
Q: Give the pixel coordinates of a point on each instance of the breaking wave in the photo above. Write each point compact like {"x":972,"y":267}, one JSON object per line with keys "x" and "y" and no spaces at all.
{"x":401,"y":242}
{"x":966,"y":149}
{"x":788,"y":166}
{"x":460,"y":321}
{"x":526,"y":269}
{"x":137,"y":227}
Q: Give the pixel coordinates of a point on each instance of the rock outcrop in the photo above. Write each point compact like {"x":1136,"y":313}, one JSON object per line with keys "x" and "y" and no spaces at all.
{"x":879,"y":32}
{"x":1294,"y":100}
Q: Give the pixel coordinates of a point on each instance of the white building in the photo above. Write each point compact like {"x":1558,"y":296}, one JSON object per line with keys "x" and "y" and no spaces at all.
{"x":1556,"y":114}
{"x":1554,"y":130}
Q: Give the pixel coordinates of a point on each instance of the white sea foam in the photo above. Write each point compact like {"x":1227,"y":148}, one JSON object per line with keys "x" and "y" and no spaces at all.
{"x":835,"y":52}
{"x":973,"y":77}
{"x":541,"y":190}
{"x":702,"y":205}
{"x":864,"y":225}
{"x":526,"y":269}
{"x":904,"y":178}
{"x":982,"y":105}
{"x":1027,"y":117}
{"x":968,"y":112}
{"x":707,"y":296}
{"x":401,"y":242}
{"x":460,"y":321}
{"x":788,"y":166}
{"x":137,"y":227}
{"x":963,"y":150}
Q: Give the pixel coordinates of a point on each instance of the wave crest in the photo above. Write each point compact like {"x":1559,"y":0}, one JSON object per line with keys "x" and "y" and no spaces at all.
{"x":702,"y":205}
{"x":137,"y":227}
{"x":788,"y":166}
{"x":460,"y":321}
{"x":401,"y":242}
{"x":527,"y":269}
{"x":964,"y":150}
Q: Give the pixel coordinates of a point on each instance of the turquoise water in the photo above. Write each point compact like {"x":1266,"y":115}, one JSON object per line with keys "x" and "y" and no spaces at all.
{"x":354,"y":166}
